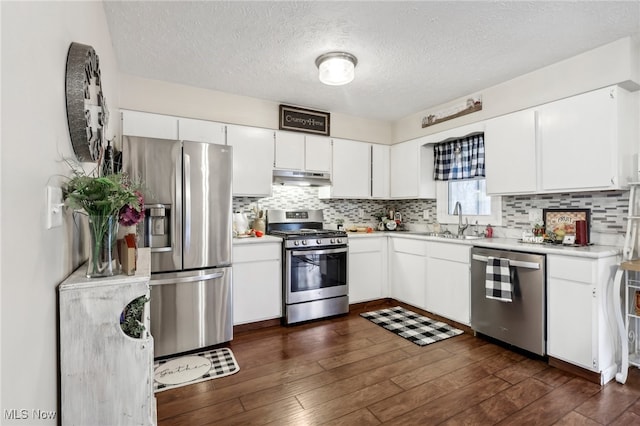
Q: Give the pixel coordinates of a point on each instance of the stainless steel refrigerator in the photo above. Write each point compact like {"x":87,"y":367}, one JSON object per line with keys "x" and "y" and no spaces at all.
{"x":188,"y":227}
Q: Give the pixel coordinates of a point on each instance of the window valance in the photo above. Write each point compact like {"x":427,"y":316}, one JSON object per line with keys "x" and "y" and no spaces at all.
{"x":459,"y":159}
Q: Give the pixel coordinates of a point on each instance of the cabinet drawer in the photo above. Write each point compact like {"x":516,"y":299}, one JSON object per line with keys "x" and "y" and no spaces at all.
{"x":453,"y":252}
{"x":365,"y":245}
{"x":256,"y":252}
{"x":405,"y":245}
{"x":572,"y":268}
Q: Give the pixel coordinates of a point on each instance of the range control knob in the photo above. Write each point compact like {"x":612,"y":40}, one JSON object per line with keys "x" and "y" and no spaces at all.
{"x":304,"y":242}
{"x":339,"y":240}
{"x":333,"y":241}
{"x":318,"y":241}
{"x":296,"y":243}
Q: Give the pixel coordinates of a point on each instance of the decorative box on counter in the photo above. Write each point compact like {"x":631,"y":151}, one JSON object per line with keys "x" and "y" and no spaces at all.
{"x":127,"y":254}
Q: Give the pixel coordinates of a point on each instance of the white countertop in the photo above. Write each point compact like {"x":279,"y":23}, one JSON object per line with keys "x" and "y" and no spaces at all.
{"x":594,"y":251}
{"x":256,"y":240}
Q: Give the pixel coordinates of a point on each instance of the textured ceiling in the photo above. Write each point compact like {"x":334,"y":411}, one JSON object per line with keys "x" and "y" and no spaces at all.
{"x":411,"y":55}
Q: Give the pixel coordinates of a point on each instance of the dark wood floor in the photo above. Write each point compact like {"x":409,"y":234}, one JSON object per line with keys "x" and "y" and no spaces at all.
{"x":348,"y":371}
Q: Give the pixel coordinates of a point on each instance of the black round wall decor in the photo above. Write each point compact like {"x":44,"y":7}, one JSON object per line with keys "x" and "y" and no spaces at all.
{"x":87,"y":113}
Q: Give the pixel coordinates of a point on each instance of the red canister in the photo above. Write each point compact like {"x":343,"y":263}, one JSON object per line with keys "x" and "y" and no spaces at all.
{"x":582,"y":239}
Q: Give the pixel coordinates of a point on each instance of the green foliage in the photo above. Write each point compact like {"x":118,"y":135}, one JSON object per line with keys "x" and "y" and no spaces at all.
{"x":131,"y":320}
{"x":100,"y":196}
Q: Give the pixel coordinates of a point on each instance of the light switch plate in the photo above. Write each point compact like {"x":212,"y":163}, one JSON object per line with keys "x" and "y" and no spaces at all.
{"x":425,"y":214}
{"x":54,"y":207}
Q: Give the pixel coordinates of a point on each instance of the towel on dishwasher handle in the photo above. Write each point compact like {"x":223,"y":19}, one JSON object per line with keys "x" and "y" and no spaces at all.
{"x":498,"y":283}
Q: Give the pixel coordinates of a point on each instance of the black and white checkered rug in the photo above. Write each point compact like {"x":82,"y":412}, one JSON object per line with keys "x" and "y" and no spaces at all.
{"x":193,"y":368}
{"x":416,"y":328}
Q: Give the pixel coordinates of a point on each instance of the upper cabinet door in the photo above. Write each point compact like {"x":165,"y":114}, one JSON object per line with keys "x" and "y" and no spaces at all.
{"x":380,"y":171}
{"x":145,"y":124}
{"x":351,"y":176}
{"x":510,"y":153}
{"x":404,"y":169}
{"x":289,"y":150}
{"x":252,"y":160}
{"x":317,"y":153}
{"x":201,"y":131}
{"x":296,"y":151}
{"x":578,"y":142}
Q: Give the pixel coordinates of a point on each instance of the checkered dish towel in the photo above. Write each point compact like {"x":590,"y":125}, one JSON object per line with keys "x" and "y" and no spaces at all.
{"x":498,"y":282}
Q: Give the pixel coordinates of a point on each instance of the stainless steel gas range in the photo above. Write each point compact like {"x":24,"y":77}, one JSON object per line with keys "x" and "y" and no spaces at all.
{"x":315,"y":269}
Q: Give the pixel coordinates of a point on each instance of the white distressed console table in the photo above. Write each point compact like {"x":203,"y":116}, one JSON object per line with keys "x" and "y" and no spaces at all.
{"x":106,"y":377}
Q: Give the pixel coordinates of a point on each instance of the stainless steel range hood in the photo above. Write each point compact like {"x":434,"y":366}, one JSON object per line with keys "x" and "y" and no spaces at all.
{"x":299,"y":178}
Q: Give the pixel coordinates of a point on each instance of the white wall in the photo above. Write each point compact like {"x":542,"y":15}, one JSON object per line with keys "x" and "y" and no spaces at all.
{"x":35,"y":138}
{"x":186,"y":101}
{"x":614,"y":63}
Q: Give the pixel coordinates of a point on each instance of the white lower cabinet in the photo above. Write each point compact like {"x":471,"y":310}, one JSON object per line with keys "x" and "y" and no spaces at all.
{"x":580,"y":326}
{"x":257,"y":288}
{"x":408,"y":262}
{"x":367,"y":268}
{"x":448,"y":291}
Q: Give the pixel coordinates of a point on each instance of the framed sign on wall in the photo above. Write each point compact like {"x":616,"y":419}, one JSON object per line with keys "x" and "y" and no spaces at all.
{"x":304,"y":120}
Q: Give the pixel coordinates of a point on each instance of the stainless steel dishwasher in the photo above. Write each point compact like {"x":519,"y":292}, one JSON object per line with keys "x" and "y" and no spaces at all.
{"x":522,"y":322}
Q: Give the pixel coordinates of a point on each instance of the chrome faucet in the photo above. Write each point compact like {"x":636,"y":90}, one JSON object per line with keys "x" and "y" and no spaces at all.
{"x":457,"y":210}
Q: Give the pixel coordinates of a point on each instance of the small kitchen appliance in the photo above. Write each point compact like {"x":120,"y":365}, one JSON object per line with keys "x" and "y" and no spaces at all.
{"x":314,"y":275}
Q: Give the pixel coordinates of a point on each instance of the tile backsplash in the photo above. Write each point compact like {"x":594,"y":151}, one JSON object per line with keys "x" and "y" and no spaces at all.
{"x":608,"y":208}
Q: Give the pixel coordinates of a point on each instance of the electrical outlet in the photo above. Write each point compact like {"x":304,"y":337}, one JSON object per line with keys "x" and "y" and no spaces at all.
{"x":54,"y":207}
{"x":360,"y":213}
{"x":425,"y":214}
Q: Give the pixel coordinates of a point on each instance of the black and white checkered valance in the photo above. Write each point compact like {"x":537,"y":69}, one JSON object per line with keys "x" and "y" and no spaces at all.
{"x":459,"y":159}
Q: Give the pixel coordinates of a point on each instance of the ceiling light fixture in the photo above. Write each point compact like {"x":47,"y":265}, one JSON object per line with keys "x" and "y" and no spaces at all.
{"x":336,"y":68}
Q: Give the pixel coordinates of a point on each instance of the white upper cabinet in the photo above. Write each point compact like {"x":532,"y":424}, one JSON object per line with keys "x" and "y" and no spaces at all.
{"x":148,"y":125}
{"x":201,"y":131}
{"x":404,"y":164}
{"x":296,"y":151}
{"x":290,"y":151}
{"x":351,"y":175}
{"x":318,"y":153}
{"x":587,"y":142}
{"x":380,"y":185}
{"x":510,"y":153}
{"x":411,"y":170}
{"x":252,"y":160}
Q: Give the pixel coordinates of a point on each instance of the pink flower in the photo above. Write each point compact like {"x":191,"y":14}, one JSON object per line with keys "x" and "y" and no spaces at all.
{"x":130,"y":215}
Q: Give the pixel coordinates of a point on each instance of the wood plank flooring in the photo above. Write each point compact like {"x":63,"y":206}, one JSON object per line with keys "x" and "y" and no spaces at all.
{"x":349,"y":371}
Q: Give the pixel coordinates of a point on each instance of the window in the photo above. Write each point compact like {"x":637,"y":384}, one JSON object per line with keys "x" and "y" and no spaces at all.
{"x":472,"y":196}
{"x":476,"y":205}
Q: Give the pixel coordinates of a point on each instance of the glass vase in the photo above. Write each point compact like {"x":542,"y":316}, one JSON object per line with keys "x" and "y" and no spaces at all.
{"x":103,"y":253}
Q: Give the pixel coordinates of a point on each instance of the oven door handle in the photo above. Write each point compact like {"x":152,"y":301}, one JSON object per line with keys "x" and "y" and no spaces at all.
{"x":515,"y":263}
{"x":321,"y":251}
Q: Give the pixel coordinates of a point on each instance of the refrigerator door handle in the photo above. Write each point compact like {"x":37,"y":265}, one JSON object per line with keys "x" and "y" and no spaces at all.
{"x":206,"y":277}
{"x":187,"y":200}
{"x":177,"y":233}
